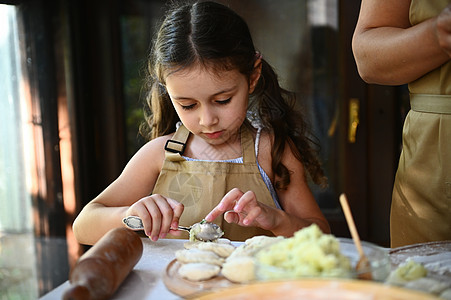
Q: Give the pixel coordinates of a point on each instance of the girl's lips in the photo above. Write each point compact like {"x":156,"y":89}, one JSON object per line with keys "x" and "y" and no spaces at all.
{"x":214,"y":135}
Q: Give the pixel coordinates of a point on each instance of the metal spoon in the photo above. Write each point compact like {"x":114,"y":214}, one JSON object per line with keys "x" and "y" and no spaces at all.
{"x":202,"y":231}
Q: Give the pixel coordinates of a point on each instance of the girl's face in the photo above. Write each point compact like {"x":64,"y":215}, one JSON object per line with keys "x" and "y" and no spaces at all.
{"x":212,"y":107}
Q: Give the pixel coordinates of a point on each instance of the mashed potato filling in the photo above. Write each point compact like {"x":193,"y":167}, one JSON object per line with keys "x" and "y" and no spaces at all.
{"x":309,"y":253}
{"x":408,"y":271}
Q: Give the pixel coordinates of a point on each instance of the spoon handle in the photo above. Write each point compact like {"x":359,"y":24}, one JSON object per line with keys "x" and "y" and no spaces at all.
{"x":183,"y":228}
{"x":134,"y":222}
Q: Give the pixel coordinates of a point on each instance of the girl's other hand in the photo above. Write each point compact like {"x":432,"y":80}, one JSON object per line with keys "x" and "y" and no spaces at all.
{"x":443,"y":29}
{"x":158,"y":214}
{"x":243,"y":209}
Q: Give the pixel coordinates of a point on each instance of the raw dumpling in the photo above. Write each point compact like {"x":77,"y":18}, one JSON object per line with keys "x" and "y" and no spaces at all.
{"x":223,"y":250}
{"x":197,"y":255}
{"x":224,"y":241}
{"x":195,"y":244}
{"x":241,"y":269}
{"x":252,"y":245}
{"x":191,"y":245}
{"x":198,"y":271}
{"x":260,"y":241}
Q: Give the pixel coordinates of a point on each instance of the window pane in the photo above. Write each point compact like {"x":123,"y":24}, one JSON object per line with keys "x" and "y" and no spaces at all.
{"x":15,"y":200}
{"x":17,"y":256}
{"x":134,"y":30}
{"x":138,"y":23}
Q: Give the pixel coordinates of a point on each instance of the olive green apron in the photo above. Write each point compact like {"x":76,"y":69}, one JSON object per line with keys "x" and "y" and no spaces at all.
{"x":421,"y":204}
{"x":200,"y":185}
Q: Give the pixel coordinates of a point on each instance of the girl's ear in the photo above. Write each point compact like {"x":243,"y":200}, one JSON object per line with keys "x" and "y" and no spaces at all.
{"x":255,"y":76}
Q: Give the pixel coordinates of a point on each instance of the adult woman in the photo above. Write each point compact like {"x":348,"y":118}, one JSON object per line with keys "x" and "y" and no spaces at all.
{"x":409,"y":41}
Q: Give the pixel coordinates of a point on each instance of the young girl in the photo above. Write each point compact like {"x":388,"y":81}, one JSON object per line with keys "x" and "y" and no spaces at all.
{"x":240,"y":151}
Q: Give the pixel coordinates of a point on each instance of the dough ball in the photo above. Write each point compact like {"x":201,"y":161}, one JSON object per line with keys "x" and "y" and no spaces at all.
{"x":223,"y":250}
{"x":197,"y":255}
{"x":198,"y":271}
{"x":240,"y":269}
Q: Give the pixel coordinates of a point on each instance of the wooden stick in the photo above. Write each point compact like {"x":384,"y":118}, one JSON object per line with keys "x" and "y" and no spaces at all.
{"x":351,"y":224}
{"x":363,"y":266}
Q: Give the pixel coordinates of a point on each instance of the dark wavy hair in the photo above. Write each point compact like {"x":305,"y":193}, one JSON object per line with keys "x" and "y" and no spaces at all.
{"x":214,"y":36}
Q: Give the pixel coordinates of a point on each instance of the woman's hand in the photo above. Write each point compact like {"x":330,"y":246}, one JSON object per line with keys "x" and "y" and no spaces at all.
{"x":158,"y":214}
{"x":443,"y":29}
{"x":243,"y":209}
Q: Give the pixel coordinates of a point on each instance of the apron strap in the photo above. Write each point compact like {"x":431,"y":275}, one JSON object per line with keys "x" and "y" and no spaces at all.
{"x":176,"y":146}
{"x":178,"y":142}
{"x":247,"y":145}
{"x":439,"y":104}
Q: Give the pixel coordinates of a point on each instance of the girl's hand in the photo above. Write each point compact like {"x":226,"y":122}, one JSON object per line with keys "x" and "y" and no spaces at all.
{"x":443,"y":29}
{"x":158,"y":214}
{"x":243,"y":209}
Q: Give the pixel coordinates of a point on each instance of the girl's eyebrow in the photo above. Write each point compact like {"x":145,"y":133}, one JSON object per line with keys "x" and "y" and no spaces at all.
{"x":215,"y":94}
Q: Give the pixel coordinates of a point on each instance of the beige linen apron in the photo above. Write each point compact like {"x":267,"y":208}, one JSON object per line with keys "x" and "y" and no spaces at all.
{"x":421,"y":206}
{"x":200,"y":185}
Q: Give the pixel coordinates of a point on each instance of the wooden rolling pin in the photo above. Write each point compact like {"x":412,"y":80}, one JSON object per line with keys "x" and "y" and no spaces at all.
{"x":101,"y":270}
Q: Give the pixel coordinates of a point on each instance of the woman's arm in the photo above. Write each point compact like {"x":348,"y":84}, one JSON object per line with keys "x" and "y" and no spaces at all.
{"x":128,"y":194}
{"x":388,"y":50}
